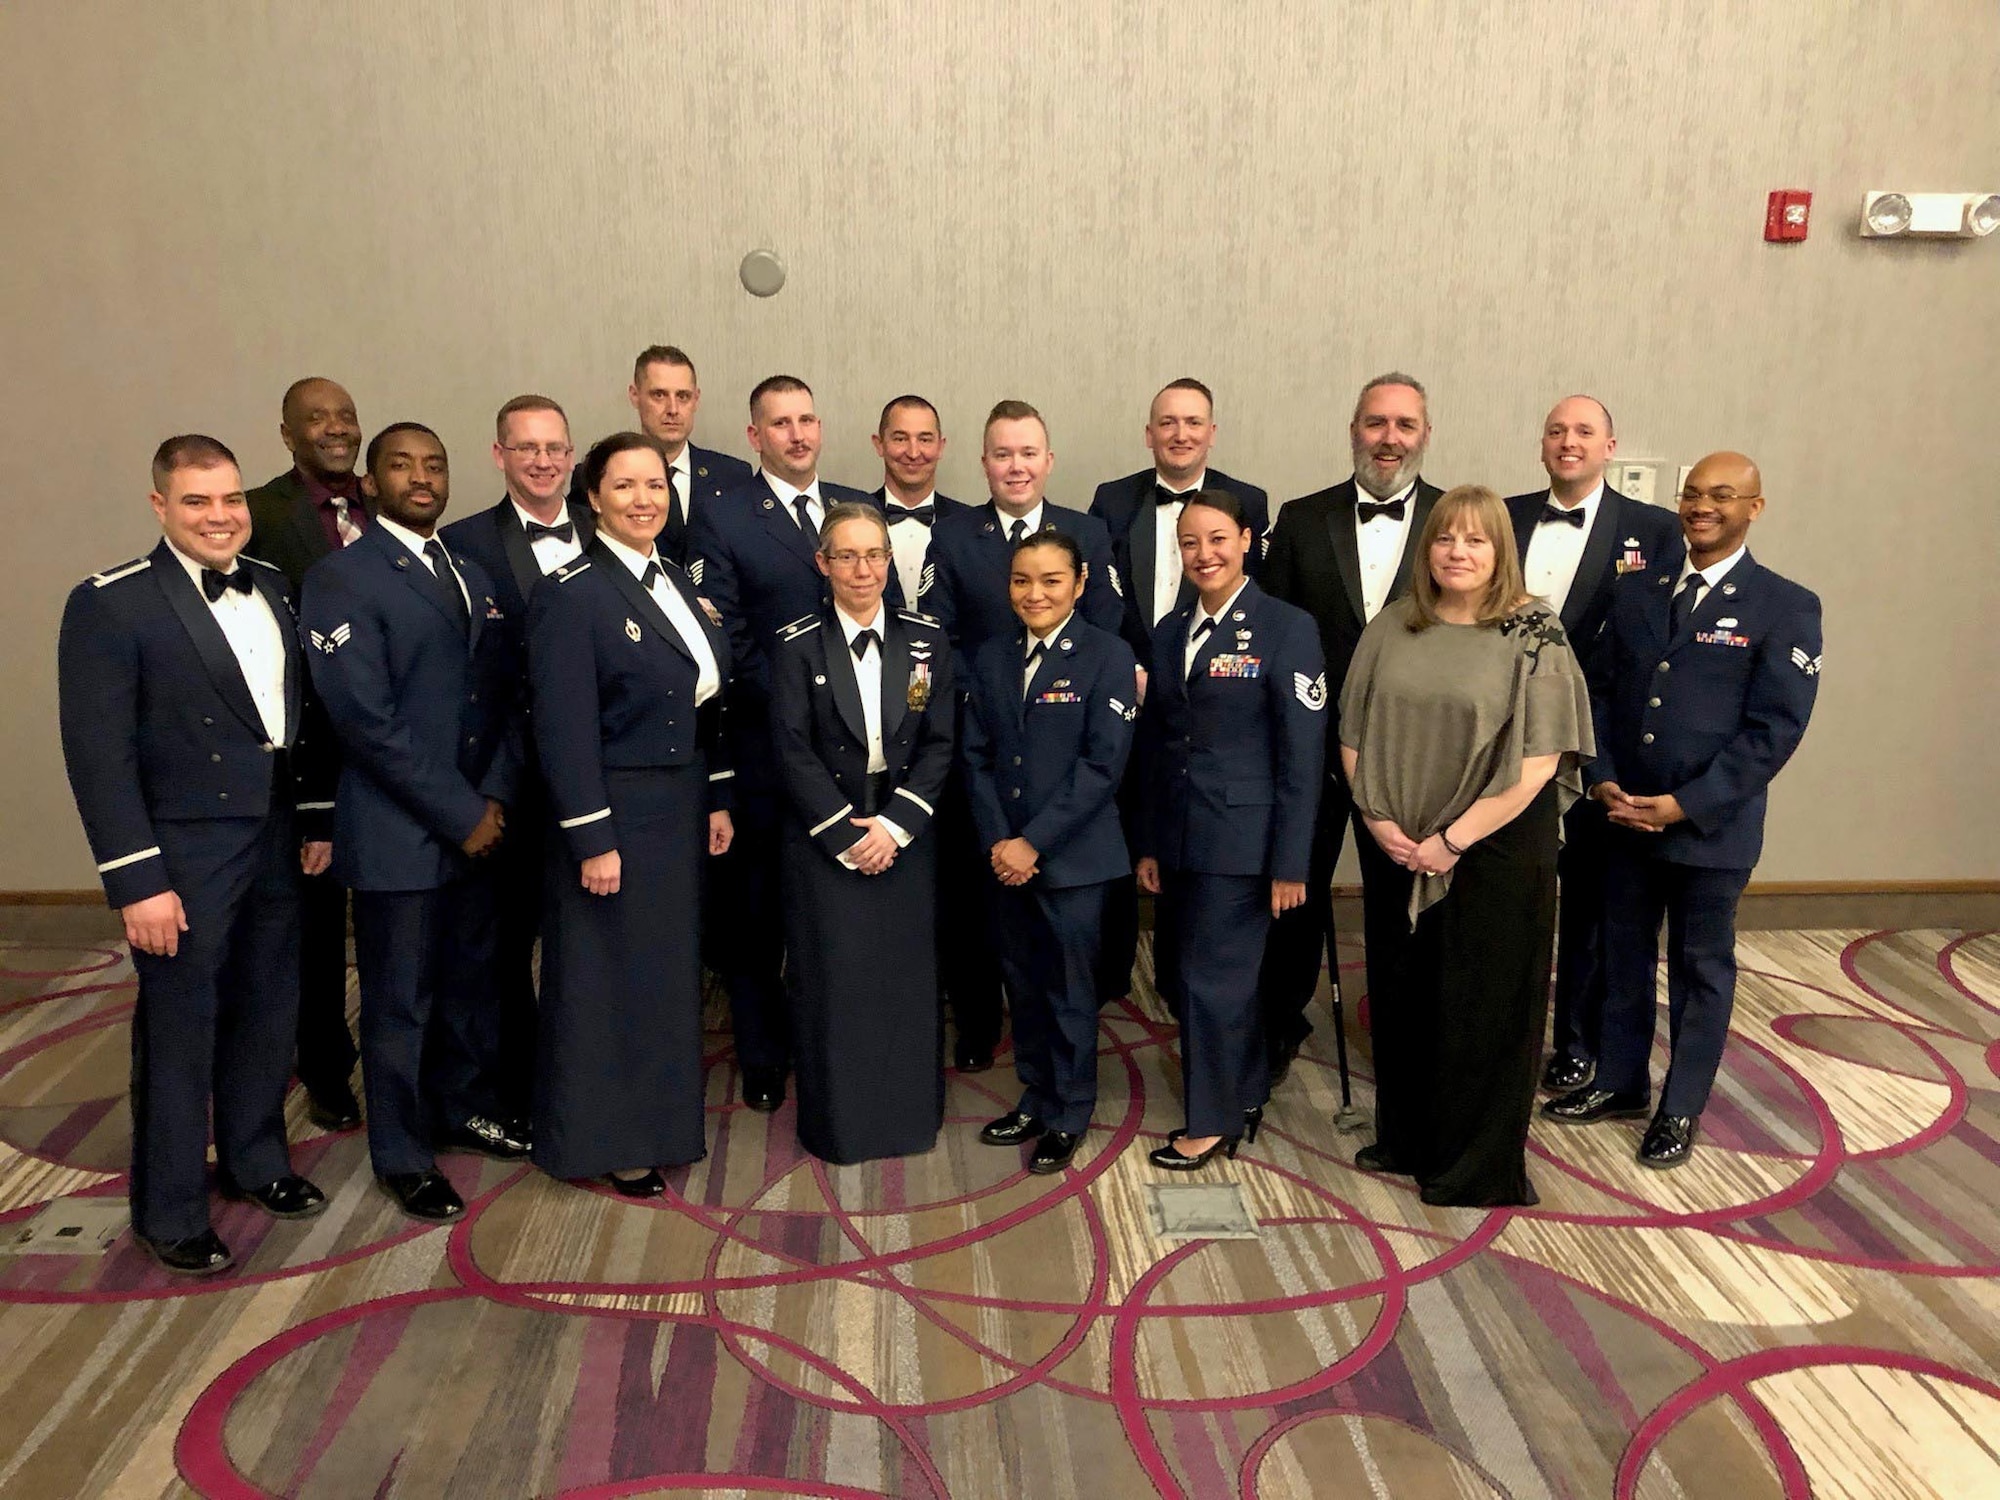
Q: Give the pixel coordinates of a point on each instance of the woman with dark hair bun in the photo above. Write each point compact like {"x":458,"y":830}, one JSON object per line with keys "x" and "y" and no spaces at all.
{"x":629,"y":665}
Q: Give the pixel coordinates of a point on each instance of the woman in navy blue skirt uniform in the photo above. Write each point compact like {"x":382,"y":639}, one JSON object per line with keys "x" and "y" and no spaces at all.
{"x":1234,"y":747}
{"x":1048,"y":729}
{"x":628,"y":665}
{"x":861,"y":712}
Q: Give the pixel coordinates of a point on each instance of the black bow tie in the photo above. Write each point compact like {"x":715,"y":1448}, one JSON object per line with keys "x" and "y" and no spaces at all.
{"x":215,"y":584}
{"x":923,"y":513}
{"x":861,"y":643}
{"x":1368,"y":510}
{"x":564,"y":533}
{"x":1164,"y":496}
{"x":1552,"y":512}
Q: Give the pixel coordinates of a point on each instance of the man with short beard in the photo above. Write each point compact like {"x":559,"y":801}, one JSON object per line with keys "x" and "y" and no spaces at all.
{"x":313,"y":508}
{"x":1341,"y":554}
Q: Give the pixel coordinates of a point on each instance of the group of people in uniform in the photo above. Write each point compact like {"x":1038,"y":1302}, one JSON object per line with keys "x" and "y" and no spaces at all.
{"x":869,"y":756}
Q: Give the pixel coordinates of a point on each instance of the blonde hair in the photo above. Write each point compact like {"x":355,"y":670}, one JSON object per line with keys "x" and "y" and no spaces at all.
{"x":1504,"y":592}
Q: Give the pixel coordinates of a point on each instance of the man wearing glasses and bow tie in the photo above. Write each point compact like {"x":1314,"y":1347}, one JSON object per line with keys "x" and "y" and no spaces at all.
{"x":531,"y":532}
{"x":1577,"y":538}
{"x":1340,"y":555}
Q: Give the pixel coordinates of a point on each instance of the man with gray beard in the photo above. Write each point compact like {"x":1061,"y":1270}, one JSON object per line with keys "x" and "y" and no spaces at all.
{"x":1341,"y":554}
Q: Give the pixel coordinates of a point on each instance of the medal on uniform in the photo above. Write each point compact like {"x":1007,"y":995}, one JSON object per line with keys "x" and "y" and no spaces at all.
{"x":919,"y":695}
{"x":631,"y":629}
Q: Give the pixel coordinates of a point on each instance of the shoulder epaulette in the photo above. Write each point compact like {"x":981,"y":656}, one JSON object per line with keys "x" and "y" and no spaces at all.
{"x":123,"y":570}
{"x":916,"y":618}
{"x":569,"y":570}
{"x":803,"y":625}
{"x":246,"y":557}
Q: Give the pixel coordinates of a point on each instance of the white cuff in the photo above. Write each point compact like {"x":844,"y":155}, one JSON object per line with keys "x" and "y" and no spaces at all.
{"x":815,"y":831}
{"x":929,"y":811}
{"x":846,"y":858}
{"x":131,"y":859}
{"x":902,"y":839}
{"x":598,"y":816}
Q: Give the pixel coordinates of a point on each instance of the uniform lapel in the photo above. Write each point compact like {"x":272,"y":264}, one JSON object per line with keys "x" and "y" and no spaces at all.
{"x":840,"y":677}
{"x":895,"y":672}
{"x":1346,"y":550}
{"x":209,"y":642}
{"x":1722,"y":598}
{"x":1597,"y":550}
{"x":637,"y":597}
{"x":718,"y":639}
{"x":476,"y":604}
{"x":783,"y":522}
{"x":1144,"y":540}
{"x":280,"y":605}
{"x":514,"y":543}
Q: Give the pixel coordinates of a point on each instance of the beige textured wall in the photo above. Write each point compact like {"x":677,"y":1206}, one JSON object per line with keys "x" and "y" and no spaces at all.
{"x":442,"y":204}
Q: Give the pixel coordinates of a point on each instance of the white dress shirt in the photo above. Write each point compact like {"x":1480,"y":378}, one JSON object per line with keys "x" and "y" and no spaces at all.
{"x":551,"y":552}
{"x":1167,"y":544}
{"x":1030,"y":663}
{"x":708,"y":675}
{"x":1032,"y":521}
{"x":1381,"y":543}
{"x":255,"y":638}
{"x":1711,"y":576}
{"x":1555,"y":548}
{"x":416,"y":544}
{"x":868,"y":682}
{"x":909,"y":544}
{"x":1194,"y":646}
{"x":787,"y":493}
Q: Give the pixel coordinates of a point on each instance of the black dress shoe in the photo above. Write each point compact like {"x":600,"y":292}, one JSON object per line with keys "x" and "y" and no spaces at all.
{"x":1581,"y":1106}
{"x":646,"y":1185}
{"x":203,"y":1254}
{"x":1565,"y":1073}
{"x":764,"y":1089}
{"x":424,"y":1195}
{"x":1053,"y":1151}
{"x":1173,"y":1159}
{"x":1011,"y":1129}
{"x":290,"y":1197}
{"x":333,"y":1107}
{"x":969,"y":1059}
{"x":484,"y":1137}
{"x":1378,"y":1158}
{"x":1669,"y":1141}
{"x":1253,"y":1120}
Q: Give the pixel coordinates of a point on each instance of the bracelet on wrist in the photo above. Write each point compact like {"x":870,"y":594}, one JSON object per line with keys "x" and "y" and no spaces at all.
{"x":1453,"y":849}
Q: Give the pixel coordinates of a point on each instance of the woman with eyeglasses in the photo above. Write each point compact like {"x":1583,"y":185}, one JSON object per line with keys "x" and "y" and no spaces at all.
{"x":1462,"y":725}
{"x":861,"y":716}
{"x":1233,"y":746}
{"x":628,"y":665}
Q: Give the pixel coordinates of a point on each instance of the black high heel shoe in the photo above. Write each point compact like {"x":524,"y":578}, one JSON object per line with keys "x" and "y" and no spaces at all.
{"x":1169,"y":1159}
{"x":645,"y":1185}
{"x":1253,"y":1120}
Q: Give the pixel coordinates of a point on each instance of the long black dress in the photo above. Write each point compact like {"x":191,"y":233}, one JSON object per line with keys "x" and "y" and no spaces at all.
{"x":867,"y":1037}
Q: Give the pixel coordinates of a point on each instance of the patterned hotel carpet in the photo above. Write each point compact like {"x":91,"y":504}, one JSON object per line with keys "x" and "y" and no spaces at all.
{"x":1811,"y":1307}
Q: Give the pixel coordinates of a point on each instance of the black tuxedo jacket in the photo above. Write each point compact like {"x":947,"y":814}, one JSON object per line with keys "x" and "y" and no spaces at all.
{"x":496,"y":540}
{"x":1126,"y":508}
{"x":1626,"y":536}
{"x":1314,"y":562}
{"x":284,"y":527}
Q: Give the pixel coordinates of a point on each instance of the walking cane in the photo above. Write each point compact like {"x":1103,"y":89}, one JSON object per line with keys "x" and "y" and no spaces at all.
{"x":1349,"y":1120}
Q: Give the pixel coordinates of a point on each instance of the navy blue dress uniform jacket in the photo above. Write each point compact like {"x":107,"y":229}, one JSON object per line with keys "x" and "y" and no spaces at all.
{"x":711,"y":475}
{"x":495,"y":539}
{"x":1130,"y":512}
{"x":748,"y":555}
{"x":1709,"y":713}
{"x":428,"y":717}
{"x":614,"y":688}
{"x":1233,"y":755}
{"x":941,"y":506}
{"x":1046,"y":767}
{"x":822,"y":738}
{"x":965,"y":575}
{"x":1626,"y":536}
{"x":158,"y":724}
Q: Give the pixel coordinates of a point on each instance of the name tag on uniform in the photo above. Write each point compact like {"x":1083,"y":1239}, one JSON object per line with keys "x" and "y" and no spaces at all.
{"x":1059,"y":697}
{"x":1720,"y":638}
{"x":1230,"y":664}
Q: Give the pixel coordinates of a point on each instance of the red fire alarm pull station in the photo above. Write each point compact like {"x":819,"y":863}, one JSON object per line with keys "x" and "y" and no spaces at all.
{"x":1786,"y":214}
